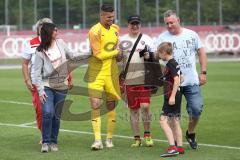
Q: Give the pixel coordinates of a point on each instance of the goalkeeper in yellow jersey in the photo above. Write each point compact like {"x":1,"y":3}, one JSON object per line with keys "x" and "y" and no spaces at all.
{"x":103,"y":74}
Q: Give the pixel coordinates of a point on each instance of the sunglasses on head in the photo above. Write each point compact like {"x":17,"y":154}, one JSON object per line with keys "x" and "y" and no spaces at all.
{"x":135,"y":23}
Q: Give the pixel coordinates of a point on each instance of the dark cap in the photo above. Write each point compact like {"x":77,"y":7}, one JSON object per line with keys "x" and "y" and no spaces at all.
{"x":134,"y":18}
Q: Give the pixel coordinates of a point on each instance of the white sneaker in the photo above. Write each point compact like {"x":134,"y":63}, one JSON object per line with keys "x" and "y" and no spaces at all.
{"x":54,"y":147}
{"x":45,"y":148}
{"x":97,"y":145}
{"x":109,"y":143}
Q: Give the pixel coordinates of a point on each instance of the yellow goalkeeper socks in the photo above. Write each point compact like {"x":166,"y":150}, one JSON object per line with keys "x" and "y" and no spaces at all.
{"x":96,"y":123}
{"x":111,"y":115}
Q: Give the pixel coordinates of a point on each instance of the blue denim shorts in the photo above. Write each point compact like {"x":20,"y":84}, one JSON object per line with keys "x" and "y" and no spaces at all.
{"x":194,"y":100}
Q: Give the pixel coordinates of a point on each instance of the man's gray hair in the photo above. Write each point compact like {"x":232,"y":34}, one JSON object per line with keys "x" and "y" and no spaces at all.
{"x":38,"y":25}
{"x":169,"y":13}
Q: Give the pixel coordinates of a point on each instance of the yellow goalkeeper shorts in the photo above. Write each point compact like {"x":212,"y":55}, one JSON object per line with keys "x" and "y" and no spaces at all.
{"x":104,"y":85}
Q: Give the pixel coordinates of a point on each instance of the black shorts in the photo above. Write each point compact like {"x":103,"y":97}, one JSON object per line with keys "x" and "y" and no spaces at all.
{"x":172,"y":110}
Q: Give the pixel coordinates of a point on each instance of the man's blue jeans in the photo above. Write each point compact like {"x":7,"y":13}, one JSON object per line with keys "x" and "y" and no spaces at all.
{"x":194,"y":100}
{"x":51,"y":110}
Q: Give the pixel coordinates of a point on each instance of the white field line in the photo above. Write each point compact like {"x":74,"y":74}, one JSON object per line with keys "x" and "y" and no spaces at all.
{"x":26,"y":125}
{"x":230,"y":59}
{"x":15,"y":102}
{"x":117,"y":136}
{"x":233,"y":59}
{"x":9,"y":66}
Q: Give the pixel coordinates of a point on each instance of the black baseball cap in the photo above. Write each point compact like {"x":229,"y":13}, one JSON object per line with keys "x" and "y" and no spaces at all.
{"x":134,"y":18}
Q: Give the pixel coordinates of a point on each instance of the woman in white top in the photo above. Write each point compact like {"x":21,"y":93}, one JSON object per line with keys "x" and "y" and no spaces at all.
{"x":50,"y":77}
{"x":28,"y":58}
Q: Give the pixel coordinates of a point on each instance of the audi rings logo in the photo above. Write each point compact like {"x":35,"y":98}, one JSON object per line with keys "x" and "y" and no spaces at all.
{"x":13,"y":47}
{"x":222,"y":42}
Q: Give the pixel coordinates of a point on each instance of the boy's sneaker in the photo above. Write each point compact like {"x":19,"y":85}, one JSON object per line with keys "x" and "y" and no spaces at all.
{"x":109,"y":143}
{"x":148,"y":141}
{"x":45,"y":148}
{"x":97,"y":145}
{"x":137,"y":143}
{"x":191,"y":140}
{"x":54,"y":147}
{"x":180,"y":150}
{"x":171,"y":151}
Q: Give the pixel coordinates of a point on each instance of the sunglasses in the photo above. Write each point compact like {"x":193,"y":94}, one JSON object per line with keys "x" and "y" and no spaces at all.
{"x":135,"y":23}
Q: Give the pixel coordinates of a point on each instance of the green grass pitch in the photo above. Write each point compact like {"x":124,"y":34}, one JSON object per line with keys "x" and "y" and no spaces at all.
{"x":217,"y":131}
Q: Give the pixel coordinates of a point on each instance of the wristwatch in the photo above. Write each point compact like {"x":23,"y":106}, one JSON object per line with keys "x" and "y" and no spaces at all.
{"x":204,"y":72}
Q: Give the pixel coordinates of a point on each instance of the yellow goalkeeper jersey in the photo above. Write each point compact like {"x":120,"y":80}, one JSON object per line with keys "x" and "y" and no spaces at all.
{"x":102,"y":43}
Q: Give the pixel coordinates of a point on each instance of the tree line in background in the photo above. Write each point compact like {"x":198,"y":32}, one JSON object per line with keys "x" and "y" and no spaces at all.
{"x":209,"y":12}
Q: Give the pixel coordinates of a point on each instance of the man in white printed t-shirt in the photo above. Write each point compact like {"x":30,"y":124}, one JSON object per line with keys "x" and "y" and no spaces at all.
{"x":186,"y":44}
{"x":138,"y":96}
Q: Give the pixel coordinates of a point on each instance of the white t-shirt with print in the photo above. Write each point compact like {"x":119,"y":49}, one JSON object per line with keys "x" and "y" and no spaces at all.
{"x":185,"y":46}
{"x":136,"y":69}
